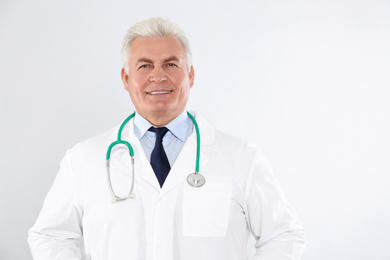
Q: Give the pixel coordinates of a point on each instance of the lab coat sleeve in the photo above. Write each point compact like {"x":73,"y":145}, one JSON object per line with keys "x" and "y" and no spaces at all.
{"x":272,"y":220}
{"x":57,"y":231}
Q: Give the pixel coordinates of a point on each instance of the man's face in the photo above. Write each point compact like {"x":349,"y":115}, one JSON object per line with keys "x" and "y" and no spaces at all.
{"x":158,"y":79}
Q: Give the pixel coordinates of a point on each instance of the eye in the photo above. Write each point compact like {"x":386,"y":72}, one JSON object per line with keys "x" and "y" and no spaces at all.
{"x":170,"y":64}
{"x":144,"y":66}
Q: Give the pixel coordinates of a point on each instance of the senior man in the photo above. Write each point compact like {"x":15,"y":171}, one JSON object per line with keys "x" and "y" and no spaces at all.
{"x":163,"y":210}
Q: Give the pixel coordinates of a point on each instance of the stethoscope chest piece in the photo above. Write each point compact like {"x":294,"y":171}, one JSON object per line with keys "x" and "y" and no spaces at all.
{"x":196,"y":180}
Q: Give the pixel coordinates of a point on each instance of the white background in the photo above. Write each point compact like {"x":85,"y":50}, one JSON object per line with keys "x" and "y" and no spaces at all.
{"x":308,"y":81}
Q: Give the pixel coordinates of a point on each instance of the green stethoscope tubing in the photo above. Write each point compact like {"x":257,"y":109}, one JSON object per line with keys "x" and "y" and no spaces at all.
{"x":120,"y":141}
{"x":197,"y":142}
{"x":131,"y":151}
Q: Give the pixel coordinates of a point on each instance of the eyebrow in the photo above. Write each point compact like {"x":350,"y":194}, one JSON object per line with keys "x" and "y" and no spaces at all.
{"x":173,"y":58}
{"x":143,"y":60}
{"x":146,"y":60}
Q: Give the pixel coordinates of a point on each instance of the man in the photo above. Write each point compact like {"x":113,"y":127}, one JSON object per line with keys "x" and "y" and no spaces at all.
{"x":164,"y":217}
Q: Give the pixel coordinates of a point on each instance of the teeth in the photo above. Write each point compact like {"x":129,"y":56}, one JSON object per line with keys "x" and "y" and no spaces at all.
{"x":159,"y":92}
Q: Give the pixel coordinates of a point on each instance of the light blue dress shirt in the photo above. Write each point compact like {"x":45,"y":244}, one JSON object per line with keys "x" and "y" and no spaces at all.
{"x":179,"y":129}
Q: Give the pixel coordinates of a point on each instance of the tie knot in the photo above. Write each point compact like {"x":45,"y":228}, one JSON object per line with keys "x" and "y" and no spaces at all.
{"x":160,"y":132}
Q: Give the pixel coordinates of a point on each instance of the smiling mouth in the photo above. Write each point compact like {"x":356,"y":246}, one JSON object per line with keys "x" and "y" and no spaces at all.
{"x":159,"y":92}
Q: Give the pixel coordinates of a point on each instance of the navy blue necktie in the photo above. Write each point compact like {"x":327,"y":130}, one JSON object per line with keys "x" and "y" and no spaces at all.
{"x":159,"y":159}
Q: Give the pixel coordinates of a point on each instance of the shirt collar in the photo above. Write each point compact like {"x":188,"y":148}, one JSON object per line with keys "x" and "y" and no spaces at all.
{"x":178,"y":126}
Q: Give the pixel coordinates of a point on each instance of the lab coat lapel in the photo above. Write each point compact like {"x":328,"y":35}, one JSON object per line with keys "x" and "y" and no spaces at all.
{"x":185,"y":162}
{"x":142,"y":166}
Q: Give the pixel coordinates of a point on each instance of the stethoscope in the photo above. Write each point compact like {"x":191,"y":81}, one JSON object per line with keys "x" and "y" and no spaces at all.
{"x":194,"y":179}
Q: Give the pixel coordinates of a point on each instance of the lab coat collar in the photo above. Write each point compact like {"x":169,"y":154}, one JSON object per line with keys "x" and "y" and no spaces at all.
{"x":178,"y":126}
{"x":185,"y":162}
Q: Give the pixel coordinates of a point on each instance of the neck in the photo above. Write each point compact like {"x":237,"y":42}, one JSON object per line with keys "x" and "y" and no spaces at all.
{"x":160,"y":119}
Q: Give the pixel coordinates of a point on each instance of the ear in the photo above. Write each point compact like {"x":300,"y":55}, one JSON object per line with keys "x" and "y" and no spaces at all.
{"x":191,"y":75}
{"x":125,"y":79}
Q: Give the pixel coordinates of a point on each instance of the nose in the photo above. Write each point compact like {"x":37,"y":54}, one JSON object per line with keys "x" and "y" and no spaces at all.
{"x":157,"y":75}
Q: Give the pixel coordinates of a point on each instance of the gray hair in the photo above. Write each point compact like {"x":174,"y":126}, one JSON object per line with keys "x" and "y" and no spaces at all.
{"x":154,"y":28}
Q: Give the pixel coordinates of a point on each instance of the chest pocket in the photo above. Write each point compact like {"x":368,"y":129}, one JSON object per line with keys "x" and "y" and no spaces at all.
{"x":206,"y":209}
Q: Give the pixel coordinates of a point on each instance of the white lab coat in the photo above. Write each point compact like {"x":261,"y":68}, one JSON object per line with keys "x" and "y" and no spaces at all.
{"x":240,"y":197}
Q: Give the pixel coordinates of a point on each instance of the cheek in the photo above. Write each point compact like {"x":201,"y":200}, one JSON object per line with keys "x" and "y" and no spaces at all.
{"x":137,"y":84}
{"x":135,"y":90}
{"x":184,"y":94}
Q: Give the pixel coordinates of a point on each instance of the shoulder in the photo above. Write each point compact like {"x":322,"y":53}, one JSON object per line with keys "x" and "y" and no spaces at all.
{"x":238,"y":147}
{"x":232,"y":155}
{"x":94,"y":147}
{"x":97,"y":140}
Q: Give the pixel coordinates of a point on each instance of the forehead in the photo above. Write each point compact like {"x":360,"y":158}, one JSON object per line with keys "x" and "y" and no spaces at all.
{"x":156,"y":48}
